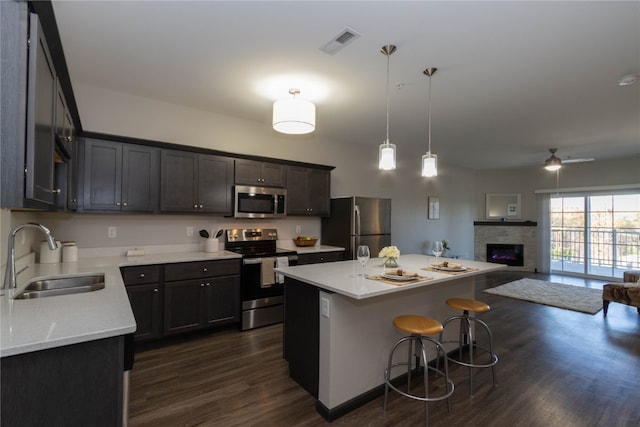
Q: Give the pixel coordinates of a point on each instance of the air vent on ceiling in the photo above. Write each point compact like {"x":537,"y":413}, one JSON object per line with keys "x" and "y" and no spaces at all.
{"x":345,"y":37}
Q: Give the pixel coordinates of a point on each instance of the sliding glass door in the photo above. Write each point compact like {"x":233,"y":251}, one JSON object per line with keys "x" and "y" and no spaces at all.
{"x":595,"y":234}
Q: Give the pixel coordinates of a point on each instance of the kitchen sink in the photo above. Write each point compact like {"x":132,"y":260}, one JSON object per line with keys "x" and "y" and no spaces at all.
{"x":62,"y":286}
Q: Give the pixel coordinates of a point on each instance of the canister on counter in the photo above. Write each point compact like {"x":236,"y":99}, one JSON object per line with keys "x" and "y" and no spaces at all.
{"x":69,"y":252}
{"x":48,"y":256}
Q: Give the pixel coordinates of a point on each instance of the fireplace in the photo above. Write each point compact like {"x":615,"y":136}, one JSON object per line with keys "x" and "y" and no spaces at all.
{"x":509,"y":254}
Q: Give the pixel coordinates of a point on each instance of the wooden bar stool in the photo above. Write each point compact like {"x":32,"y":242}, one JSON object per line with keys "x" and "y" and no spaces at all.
{"x":419,"y":327}
{"x":466,"y":337}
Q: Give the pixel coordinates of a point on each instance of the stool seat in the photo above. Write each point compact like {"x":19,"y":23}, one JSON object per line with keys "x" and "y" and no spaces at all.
{"x":468,"y":305}
{"x":419,"y":325}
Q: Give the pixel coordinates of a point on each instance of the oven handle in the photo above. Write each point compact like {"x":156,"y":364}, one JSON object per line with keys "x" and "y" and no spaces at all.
{"x":249,"y":261}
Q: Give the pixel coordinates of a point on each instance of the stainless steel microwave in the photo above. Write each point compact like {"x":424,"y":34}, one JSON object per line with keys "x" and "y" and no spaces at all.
{"x":259,"y":202}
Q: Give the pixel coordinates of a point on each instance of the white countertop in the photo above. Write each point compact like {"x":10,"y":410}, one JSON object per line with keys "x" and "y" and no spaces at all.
{"x":342,"y":277}
{"x":41,"y":323}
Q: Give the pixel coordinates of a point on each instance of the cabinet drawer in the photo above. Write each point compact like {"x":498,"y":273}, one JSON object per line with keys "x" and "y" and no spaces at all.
{"x":196,"y":270}
{"x":318,"y":257}
{"x":140,"y":274}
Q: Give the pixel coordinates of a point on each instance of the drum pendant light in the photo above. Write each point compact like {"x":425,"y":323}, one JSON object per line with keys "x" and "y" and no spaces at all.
{"x":429,"y":160}
{"x":294,"y":116}
{"x":387,"y":151}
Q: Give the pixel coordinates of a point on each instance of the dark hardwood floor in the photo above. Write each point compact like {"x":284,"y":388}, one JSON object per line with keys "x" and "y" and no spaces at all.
{"x":557,"y":368}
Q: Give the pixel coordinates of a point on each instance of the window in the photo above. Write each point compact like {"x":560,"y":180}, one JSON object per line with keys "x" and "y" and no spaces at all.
{"x":595,"y":234}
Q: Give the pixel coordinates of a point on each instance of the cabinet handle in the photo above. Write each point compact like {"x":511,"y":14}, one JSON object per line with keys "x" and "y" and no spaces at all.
{"x":201,"y":206}
{"x":202,"y":285}
{"x":195,"y":206}
{"x":124,"y":204}
{"x":204,"y":270}
{"x":117,"y":203}
{"x":155,"y":290}
{"x":142,"y":275}
{"x":208,"y":284}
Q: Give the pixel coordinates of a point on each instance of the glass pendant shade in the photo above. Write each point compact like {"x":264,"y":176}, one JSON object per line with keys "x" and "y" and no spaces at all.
{"x":294,"y":116}
{"x":387,"y":156}
{"x":429,"y":165}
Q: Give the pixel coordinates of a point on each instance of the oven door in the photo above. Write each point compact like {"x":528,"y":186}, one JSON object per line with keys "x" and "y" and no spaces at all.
{"x":253,"y":285}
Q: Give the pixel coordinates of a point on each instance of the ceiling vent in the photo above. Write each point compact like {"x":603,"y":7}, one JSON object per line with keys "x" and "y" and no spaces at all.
{"x":345,"y":37}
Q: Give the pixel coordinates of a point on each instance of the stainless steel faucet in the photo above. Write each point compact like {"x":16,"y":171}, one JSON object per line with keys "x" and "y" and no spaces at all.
{"x":10,"y":273}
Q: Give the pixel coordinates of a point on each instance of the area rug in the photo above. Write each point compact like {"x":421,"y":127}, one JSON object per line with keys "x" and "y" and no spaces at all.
{"x":576,"y":298}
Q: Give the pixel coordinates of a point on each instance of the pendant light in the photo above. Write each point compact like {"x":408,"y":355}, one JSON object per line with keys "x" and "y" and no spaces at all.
{"x":387,"y":151}
{"x":294,"y":116}
{"x":429,"y":160}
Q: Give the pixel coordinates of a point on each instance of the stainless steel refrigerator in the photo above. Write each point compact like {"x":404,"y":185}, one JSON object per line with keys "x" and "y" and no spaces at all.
{"x":358,"y":221}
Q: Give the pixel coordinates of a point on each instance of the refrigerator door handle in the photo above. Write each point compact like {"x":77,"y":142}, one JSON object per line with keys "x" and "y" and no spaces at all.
{"x":356,"y":211}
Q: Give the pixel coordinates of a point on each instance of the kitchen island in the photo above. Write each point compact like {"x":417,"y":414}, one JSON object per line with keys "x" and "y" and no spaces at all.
{"x":339,"y":329}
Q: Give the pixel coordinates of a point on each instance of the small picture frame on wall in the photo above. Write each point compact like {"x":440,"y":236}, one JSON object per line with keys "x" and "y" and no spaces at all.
{"x":433,"y":211}
{"x":512,"y":209}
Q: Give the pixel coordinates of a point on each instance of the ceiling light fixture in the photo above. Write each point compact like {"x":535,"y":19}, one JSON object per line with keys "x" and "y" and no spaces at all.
{"x":293,"y":115}
{"x":387,"y":151}
{"x":429,"y":160}
{"x":553,"y":163}
{"x":628,"y":80}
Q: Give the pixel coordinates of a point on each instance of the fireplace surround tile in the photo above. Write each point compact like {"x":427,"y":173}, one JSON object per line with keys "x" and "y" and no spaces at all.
{"x":523,"y":233}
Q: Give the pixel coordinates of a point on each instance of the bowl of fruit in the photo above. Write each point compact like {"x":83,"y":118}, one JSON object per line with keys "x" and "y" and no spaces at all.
{"x":305,"y":240}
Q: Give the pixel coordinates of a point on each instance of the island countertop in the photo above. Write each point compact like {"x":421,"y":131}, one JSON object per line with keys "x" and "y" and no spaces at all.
{"x":343,"y":277}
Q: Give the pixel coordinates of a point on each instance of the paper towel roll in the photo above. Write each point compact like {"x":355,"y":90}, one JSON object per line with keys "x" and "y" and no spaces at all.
{"x":211,"y":245}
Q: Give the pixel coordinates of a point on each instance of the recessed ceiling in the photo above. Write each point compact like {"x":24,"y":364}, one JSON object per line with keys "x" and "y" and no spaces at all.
{"x":515,"y":78}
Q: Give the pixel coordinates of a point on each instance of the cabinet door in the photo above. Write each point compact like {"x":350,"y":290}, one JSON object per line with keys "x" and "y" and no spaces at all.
{"x":147,"y":309}
{"x":178,"y":181}
{"x":102,"y":175}
{"x":223,"y":300}
{"x":183,"y":306}
{"x":252,"y":172}
{"x":319,"y":191}
{"x":215,"y":182}
{"x":274,"y":175}
{"x":72,"y":171}
{"x":140,"y":178}
{"x":40,"y":118}
{"x":297,"y":193}
{"x":320,"y":257}
{"x":248,"y":172}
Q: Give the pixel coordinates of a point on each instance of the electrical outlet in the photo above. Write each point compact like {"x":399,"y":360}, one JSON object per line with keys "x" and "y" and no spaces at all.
{"x":189,"y":231}
{"x":112,"y":232}
{"x":298,"y":229}
{"x":324,"y":307}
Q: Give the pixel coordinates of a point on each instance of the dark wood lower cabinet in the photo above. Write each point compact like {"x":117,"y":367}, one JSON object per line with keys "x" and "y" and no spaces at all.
{"x":302,"y":333}
{"x":146,"y":304}
{"x":319,"y":257}
{"x":73,"y":385}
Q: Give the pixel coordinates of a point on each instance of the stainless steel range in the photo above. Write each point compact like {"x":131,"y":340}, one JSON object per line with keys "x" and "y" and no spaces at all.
{"x":261,"y":288}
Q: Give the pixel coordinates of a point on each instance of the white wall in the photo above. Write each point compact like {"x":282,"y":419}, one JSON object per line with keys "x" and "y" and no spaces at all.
{"x":575,"y":175}
{"x":461,"y":191}
{"x":355,"y":173}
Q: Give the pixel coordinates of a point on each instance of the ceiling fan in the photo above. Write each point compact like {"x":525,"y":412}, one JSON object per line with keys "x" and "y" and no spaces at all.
{"x":554,"y":163}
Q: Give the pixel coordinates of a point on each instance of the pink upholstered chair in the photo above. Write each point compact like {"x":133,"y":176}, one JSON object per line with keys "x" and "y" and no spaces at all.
{"x":625,"y":293}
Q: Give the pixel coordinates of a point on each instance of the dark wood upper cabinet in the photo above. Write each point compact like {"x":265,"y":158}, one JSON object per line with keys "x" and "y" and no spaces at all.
{"x":41,"y":98}
{"x":308,"y":191}
{"x":256,"y":173}
{"x":192,"y":182}
{"x":120,"y":177}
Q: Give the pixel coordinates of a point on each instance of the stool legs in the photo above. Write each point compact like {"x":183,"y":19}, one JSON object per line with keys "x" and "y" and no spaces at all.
{"x":417,"y":348}
{"x":466,"y":337}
